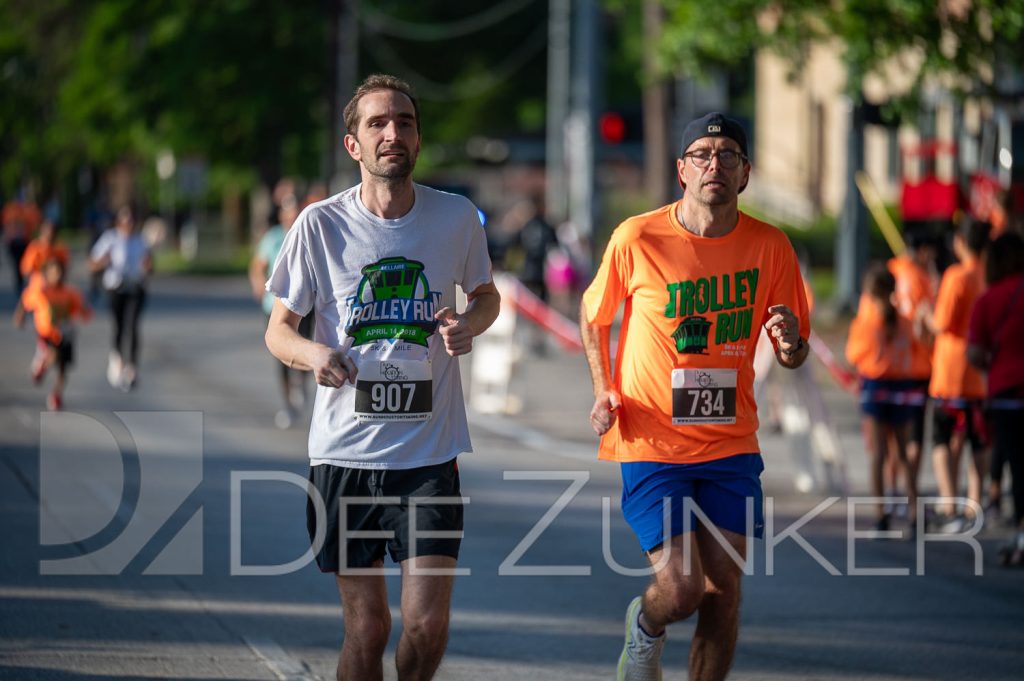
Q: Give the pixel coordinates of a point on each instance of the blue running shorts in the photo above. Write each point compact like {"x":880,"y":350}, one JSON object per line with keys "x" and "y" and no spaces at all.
{"x":720,"y":489}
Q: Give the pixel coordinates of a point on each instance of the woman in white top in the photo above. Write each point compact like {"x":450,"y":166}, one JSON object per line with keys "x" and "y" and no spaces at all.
{"x":122,"y":255}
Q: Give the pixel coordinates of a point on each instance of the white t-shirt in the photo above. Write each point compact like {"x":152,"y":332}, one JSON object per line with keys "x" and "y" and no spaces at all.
{"x":375,"y":285}
{"x":127,"y":255}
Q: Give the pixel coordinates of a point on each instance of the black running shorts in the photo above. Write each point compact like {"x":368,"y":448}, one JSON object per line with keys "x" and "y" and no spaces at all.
{"x":379,"y":501}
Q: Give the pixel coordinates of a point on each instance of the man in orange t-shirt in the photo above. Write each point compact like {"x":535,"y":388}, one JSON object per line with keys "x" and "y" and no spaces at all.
{"x":54,"y":305}
{"x":20,"y":219}
{"x":958,"y":388}
{"x":698,"y":279}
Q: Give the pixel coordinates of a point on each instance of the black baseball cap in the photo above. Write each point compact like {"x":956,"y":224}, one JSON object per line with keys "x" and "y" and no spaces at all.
{"x":714,"y":124}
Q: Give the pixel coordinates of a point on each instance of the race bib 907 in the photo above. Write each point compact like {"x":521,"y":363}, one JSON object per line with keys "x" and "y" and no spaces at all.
{"x":703,"y":396}
{"x":394,"y":390}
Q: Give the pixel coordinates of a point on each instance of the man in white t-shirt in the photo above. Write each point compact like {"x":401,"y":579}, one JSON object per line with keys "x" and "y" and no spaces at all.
{"x":378,"y":265}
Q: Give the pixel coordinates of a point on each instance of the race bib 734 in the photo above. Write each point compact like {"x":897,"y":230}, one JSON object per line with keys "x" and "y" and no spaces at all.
{"x":703,"y":396}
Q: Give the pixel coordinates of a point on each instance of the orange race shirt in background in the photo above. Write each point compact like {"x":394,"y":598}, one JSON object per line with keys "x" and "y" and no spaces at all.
{"x":691,"y":303}
{"x":53,"y":308}
{"x":952,"y":376}
{"x":876,"y":356}
{"x":914,"y":286}
{"x":38,"y":253}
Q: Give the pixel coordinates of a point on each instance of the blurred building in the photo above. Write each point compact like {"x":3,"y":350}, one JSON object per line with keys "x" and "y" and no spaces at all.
{"x":927,"y":164}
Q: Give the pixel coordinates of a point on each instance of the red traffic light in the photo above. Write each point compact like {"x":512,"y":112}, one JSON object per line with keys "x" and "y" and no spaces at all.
{"x":612,"y":128}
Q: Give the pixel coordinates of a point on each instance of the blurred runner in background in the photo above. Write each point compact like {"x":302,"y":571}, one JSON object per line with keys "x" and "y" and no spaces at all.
{"x":884,"y":350}
{"x":43,"y":248}
{"x":994,"y":344}
{"x":54,"y":305}
{"x":293,"y":381}
{"x":20,"y":217}
{"x":957,"y":389}
{"x":122,"y":255}
{"x":916,"y":283}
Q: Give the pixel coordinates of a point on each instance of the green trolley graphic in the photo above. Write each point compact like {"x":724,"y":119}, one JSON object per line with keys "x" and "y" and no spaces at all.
{"x":691,"y":335}
{"x":393,"y":301}
{"x":393,"y":278}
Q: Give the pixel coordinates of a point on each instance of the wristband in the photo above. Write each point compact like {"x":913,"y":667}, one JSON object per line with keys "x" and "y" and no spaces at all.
{"x":799,"y":346}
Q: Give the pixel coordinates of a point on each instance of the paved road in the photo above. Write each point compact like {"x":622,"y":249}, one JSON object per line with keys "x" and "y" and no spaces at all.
{"x":67,"y":496}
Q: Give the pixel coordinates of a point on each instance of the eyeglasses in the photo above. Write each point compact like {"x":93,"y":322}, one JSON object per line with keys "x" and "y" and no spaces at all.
{"x":727,"y":158}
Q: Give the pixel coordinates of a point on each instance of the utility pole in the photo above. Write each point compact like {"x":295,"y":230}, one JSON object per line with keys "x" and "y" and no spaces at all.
{"x":345,"y":43}
{"x":581,"y":133}
{"x":556,"y":203}
{"x":656,"y":146}
{"x":852,"y":238}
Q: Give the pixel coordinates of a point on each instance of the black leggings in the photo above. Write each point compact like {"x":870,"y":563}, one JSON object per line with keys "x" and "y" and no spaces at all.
{"x":1008,"y":447}
{"x":16,"y":249}
{"x":126,"y":305}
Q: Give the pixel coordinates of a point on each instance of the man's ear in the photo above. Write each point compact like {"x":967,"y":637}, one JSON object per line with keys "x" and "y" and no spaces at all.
{"x":352,"y":147}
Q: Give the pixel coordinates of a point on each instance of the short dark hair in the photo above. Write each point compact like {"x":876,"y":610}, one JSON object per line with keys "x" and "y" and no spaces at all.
{"x":1004,"y":258}
{"x":918,"y":238}
{"x":975,"y":234}
{"x":375,"y":83}
{"x":880,"y":284}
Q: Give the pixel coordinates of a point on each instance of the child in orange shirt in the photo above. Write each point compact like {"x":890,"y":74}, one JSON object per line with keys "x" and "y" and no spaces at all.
{"x":882,"y":347}
{"x":54,"y":304}
{"x":41,"y":249}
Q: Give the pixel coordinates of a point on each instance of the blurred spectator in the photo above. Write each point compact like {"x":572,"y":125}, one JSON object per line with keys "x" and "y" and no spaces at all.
{"x":96,"y":220}
{"x":533,"y":238}
{"x":20,"y":218}
{"x":994,"y":344}
{"x":882,"y":347}
{"x":52,"y":209}
{"x":54,"y":305}
{"x":293,"y":381}
{"x":568,"y":268}
{"x":916,"y":283}
{"x":957,"y":388}
{"x":123,"y":257}
{"x":317,"y":192}
{"x":43,"y":248}
{"x":530,"y":232}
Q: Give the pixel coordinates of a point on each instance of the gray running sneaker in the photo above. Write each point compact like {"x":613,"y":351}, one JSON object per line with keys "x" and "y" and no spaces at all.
{"x":641,"y":655}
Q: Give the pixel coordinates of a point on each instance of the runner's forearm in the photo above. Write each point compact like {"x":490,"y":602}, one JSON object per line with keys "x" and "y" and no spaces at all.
{"x":596,"y":347}
{"x":286,"y":343}
{"x":482,"y":309}
{"x":796,"y":359}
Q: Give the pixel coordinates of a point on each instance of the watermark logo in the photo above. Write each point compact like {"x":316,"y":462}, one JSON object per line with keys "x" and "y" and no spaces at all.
{"x":121,"y":496}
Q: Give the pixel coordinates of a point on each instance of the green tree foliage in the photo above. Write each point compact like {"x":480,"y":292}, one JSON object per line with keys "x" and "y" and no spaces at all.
{"x":243,"y":83}
{"x":967,"y":42}
{"x":477,"y":68}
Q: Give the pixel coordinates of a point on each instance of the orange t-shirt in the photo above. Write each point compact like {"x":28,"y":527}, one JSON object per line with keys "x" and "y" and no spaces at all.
{"x":38,"y":253}
{"x":914,"y":285}
{"x":53,"y":308}
{"x":914,"y":288}
{"x":691,"y":303}
{"x":873,"y":356}
{"x":20,"y":219}
{"x":952,"y":376}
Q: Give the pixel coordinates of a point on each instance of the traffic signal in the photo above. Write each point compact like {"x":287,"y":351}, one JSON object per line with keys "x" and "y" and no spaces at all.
{"x":612,"y":128}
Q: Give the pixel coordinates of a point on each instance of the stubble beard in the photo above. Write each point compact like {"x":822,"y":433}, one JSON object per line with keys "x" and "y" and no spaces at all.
{"x":392,"y":173}
{"x":715,"y":198}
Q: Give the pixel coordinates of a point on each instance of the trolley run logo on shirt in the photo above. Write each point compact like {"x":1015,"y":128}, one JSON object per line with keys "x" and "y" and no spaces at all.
{"x":392,"y":302}
{"x":728,"y":297}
